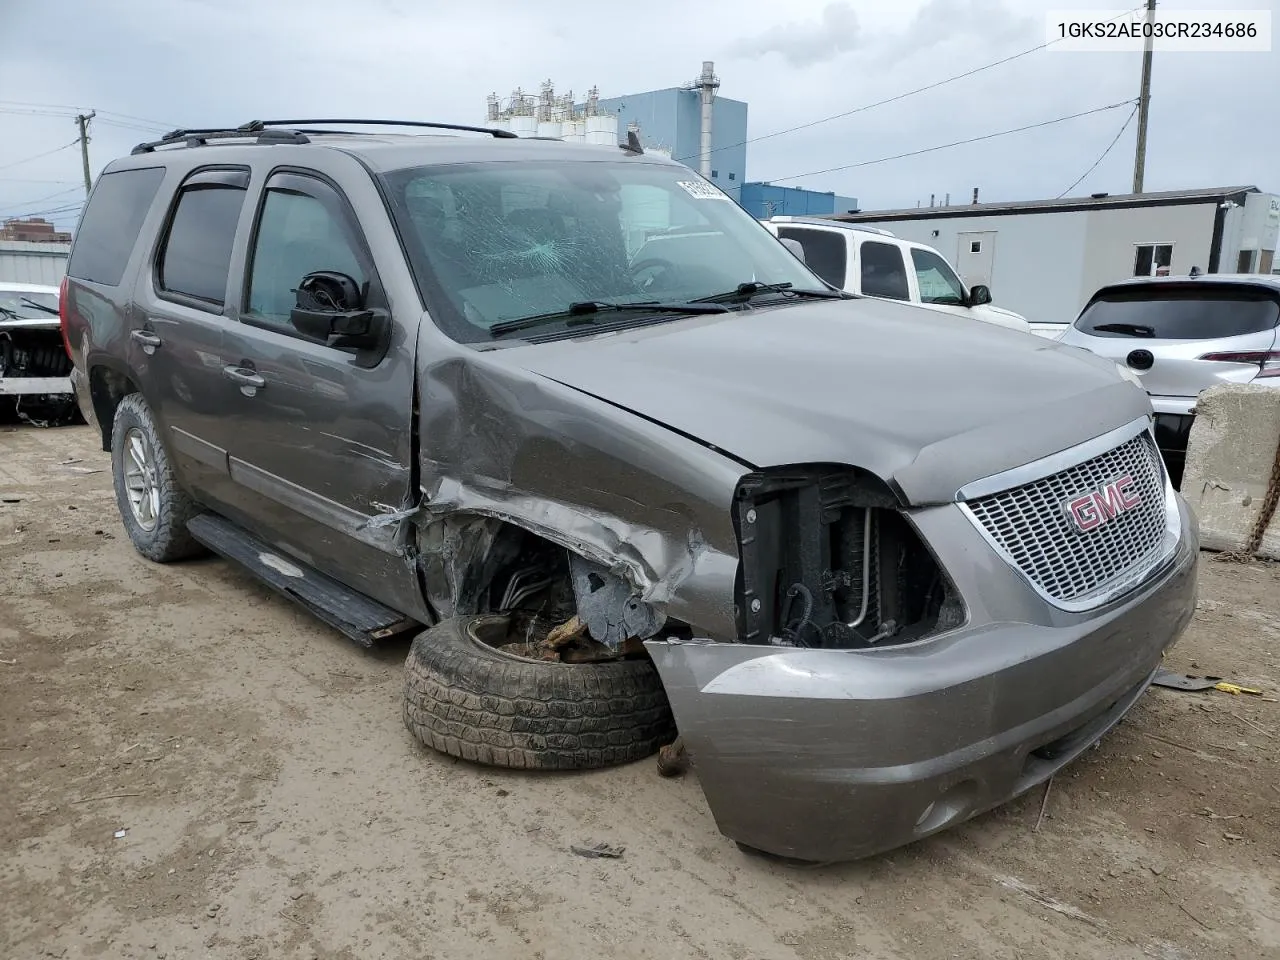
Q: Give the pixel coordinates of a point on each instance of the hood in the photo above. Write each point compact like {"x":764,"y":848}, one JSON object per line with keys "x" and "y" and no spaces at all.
{"x":923,"y":401}
{"x":1006,"y":318}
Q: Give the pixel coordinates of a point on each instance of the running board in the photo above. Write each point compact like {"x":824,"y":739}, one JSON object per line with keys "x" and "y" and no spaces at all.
{"x":348,"y":611}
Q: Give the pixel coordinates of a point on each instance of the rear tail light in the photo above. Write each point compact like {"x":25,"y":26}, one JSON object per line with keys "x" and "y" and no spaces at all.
{"x":63,"y":310}
{"x":1267,"y":361}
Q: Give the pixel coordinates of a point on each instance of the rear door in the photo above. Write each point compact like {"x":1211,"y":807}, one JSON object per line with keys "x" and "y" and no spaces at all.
{"x":177,"y":320}
{"x":322,"y":448}
{"x":1165,"y":331}
{"x":881,"y":271}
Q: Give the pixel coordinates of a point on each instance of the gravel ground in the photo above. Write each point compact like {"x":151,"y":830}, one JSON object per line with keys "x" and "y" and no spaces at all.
{"x":192,"y":767}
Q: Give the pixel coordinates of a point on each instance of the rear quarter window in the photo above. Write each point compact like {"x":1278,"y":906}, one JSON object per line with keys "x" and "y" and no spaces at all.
{"x":109,"y":228}
{"x":1180,"y":314}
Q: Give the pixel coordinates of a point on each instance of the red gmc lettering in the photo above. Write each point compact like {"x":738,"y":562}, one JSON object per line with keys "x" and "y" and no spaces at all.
{"x":1094,"y":509}
{"x":1085,"y":513}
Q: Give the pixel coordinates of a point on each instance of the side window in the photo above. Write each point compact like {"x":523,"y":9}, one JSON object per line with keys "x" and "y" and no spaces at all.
{"x":111,"y":223}
{"x":938,"y":282}
{"x":825,"y":252}
{"x":196,"y":255}
{"x":884,"y":274}
{"x":302,"y":228}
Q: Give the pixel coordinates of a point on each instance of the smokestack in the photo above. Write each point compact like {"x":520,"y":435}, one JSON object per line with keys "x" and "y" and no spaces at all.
{"x":975,"y":194}
{"x":706,"y":85}
{"x":947,"y":202}
{"x":931,"y":197}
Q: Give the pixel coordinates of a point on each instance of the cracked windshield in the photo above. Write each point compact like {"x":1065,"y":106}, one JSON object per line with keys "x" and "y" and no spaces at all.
{"x":496,"y":244}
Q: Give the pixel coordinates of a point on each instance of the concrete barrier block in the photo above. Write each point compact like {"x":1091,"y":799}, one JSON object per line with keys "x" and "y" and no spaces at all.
{"x":1230,"y":455}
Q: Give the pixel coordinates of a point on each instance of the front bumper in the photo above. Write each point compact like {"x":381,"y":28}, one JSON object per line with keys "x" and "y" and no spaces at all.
{"x":26,"y":386}
{"x":840,"y":754}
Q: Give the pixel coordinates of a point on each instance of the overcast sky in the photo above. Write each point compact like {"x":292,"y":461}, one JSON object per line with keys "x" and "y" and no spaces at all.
{"x":159,"y":63}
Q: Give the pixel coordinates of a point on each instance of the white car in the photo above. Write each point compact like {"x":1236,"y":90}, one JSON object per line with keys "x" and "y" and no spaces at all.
{"x":34,"y":366}
{"x":874,"y":263}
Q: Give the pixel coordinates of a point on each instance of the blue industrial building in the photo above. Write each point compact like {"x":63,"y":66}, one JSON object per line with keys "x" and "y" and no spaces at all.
{"x":763,"y":200}
{"x":670,"y":120}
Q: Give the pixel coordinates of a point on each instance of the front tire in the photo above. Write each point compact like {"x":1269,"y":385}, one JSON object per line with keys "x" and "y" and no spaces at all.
{"x":465,"y":698}
{"x":153,"y":507}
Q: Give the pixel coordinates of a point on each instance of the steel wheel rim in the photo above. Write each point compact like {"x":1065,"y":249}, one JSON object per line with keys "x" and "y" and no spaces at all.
{"x":140,"y":482}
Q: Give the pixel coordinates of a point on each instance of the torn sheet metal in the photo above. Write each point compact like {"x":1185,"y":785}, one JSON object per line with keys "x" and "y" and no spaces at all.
{"x":607,"y":606}
{"x":647,"y":505}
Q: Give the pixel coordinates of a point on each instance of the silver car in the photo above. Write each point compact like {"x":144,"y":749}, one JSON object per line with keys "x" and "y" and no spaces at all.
{"x":1181,"y":335}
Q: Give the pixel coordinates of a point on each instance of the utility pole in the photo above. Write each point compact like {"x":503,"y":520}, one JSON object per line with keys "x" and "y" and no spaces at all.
{"x":82,"y":120}
{"x":1144,"y":102}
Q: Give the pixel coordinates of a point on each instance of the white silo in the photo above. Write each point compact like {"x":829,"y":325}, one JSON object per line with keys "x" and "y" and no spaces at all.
{"x":524,"y":125}
{"x":602,"y":129}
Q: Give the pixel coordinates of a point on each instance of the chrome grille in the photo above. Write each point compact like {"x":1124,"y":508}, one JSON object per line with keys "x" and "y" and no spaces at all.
{"x":1034,"y":528}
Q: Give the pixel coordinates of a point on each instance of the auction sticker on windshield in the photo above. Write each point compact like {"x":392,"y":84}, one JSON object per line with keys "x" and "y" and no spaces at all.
{"x":701,"y":191}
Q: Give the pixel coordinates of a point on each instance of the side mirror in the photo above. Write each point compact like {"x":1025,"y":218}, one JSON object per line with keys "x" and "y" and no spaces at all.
{"x":796,"y":248}
{"x":330,"y":308}
{"x":979,"y":294}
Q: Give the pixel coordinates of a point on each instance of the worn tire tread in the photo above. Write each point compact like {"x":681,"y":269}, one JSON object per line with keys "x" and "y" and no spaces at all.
{"x":469,"y":701}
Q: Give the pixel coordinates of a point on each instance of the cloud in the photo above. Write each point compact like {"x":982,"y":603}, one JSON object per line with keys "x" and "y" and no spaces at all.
{"x":990,"y":22}
{"x":835,"y":32}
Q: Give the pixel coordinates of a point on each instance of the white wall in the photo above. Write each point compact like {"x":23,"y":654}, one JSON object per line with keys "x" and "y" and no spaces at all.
{"x":1113,"y":234}
{"x":1039,"y":258}
{"x":33,"y":262}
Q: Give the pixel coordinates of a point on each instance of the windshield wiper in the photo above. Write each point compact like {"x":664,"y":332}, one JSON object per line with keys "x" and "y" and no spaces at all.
{"x":1133,"y":329}
{"x":39,"y":306}
{"x":586,"y":312}
{"x":745,"y":291}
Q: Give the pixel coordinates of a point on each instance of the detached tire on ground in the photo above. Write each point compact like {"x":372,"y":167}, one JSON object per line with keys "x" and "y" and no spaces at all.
{"x":464,"y":698}
{"x":153,"y":508}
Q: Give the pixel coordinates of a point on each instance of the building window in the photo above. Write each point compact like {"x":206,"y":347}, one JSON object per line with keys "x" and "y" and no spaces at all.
{"x":1152,"y":259}
{"x":975,"y":246}
{"x":1244,"y":263}
{"x":732,"y":176}
{"x":714,"y":174}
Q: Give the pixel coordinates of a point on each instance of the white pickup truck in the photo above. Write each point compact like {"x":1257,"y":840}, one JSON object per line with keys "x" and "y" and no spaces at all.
{"x":874,"y":263}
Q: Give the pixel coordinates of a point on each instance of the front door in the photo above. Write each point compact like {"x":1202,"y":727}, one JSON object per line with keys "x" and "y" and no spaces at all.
{"x":322,"y":450}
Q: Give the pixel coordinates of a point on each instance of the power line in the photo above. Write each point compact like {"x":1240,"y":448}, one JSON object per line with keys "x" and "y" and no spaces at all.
{"x":52,"y":211}
{"x":39,"y":155}
{"x":954,"y":143}
{"x":896,"y":98}
{"x":1125,"y":126}
{"x":40,"y":200}
{"x":73,"y":110}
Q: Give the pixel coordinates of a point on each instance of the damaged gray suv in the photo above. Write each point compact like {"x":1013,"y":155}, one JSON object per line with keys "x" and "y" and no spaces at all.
{"x":627,"y":467}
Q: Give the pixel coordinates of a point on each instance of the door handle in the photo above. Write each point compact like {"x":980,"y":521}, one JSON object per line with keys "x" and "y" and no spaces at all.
{"x":244,"y":376}
{"x":148,"y":340}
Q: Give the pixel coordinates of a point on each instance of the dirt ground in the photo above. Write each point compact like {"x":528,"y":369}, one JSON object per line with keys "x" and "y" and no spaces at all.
{"x":193,"y":767}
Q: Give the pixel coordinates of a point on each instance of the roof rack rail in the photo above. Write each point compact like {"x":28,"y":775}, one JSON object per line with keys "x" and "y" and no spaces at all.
{"x":199,"y":136}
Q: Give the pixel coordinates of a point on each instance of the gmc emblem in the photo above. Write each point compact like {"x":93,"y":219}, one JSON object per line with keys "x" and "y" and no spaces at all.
{"x":1091,"y":510}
